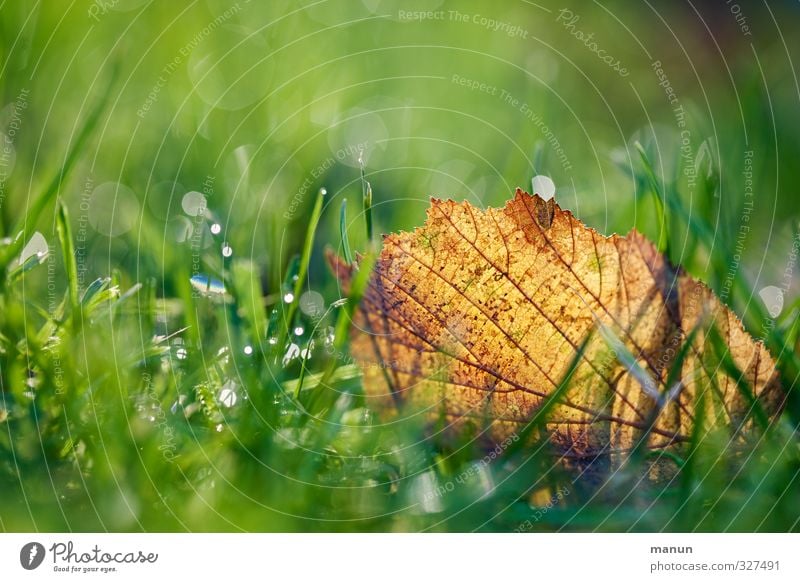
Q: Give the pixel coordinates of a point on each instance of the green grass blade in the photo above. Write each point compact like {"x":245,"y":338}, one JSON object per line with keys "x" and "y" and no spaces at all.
{"x":539,"y":419}
{"x":247,"y":288}
{"x":322,"y":396}
{"x":366,"y":197}
{"x":639,"y":451}
{"x":27,"y":222}
{"x":348,"y":255}
{"x":368,"y":210}
{"x":663,"y":238}
{"x":754,"y":408}
{"x":302,"y":270}
{"x":70,"y":261}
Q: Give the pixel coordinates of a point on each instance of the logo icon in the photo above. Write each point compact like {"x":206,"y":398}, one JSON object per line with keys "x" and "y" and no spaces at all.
{"x":31,"y":555}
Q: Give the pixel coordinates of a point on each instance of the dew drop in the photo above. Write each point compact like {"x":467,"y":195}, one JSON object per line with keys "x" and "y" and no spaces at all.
{"x":543,"y":186}
{"x":288,"y":298}
{"x":773,"y":300}
{"x":177,"y":404}
{"x":291,"y":353}
{"x":207,"y":285}
{"x":298,"y":330}
{"x":227,"y":394}
{"x":194,"y":204}
{"x":312,"y":303}
{"x":37,"y":247}
{"x":216,"y":228}
{"x":227,"y":251}
{"x":248,"y":350}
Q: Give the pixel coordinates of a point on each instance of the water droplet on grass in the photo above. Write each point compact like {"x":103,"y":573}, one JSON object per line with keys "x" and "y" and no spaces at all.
{"x":291,"y":353}
{"x":36,"y":248}
{"x":288,"y":298}
{"x":177,"y":404}
{"x":773,"y":300}
{"x":227,"y":251}
{"x":311,"y":303}
{"x":227,"y":394}
{"x":544,"y":187}
{"x":207,"y":285}
{"x":194,"y":204}
{"x":216,"y":228}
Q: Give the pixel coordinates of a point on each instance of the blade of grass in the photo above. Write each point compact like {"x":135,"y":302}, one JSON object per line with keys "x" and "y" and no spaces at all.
{"x":70,"y":262}
{"x":27,"y":222}
{"x":348,"y":255}
{"x":322,"y":395}
{"x":754,"y":409}
{"x":674,"y":383}
{"x":368,"y":210}
{"x":302,"y":270}
{"x":539,"y":419}
{"x":366,"y":197}
{"x":247,"y":288}
{"x":698,"y":431}
{"x":663,"y":239}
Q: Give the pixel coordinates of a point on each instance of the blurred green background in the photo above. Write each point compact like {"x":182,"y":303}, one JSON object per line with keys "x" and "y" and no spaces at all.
{"x":153,"y":402}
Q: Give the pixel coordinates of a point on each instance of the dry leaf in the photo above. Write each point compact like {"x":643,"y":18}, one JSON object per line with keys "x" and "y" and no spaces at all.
{"x":475,"y":317}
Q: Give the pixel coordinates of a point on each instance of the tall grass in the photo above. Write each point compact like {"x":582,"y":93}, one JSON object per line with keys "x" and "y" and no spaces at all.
{"x":134,"y":400}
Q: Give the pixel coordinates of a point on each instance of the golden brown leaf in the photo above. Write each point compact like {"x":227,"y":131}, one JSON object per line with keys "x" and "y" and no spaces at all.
{"x":475,"y":317}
